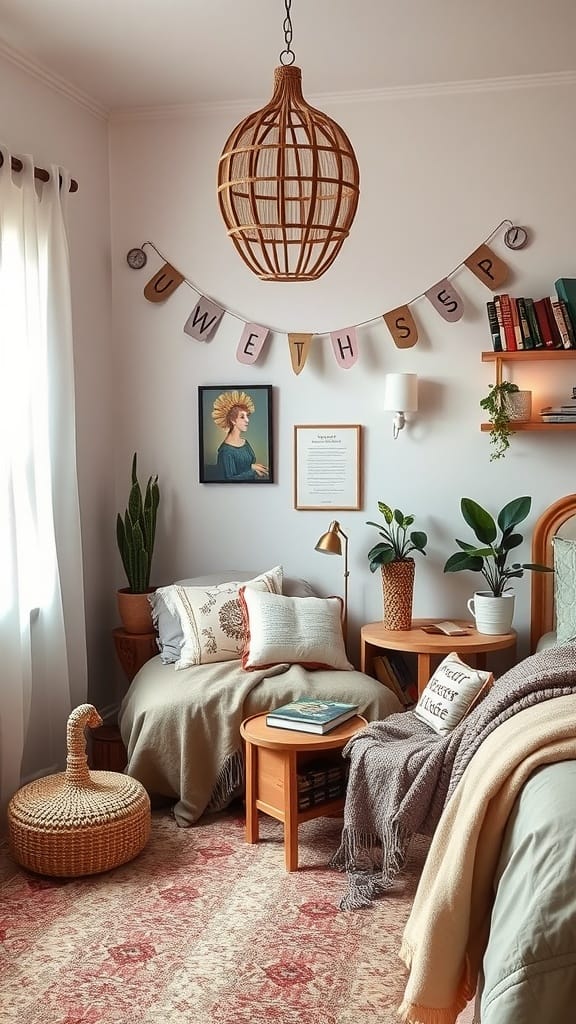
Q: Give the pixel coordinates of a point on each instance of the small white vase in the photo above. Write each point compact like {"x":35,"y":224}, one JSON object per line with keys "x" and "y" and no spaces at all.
{"x":518,"y":405}
{"x":491,"y":614}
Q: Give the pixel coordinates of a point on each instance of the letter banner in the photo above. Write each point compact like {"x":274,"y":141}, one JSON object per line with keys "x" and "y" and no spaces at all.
{"x":203,"y":319}
{"x":299,"y":348}
{"x":163,"y":283}
{"x":402,"y":327}
{"x":488,"y":267}
{"x":345,"y":346}
{"x":446,"y":301}
{"x":251,"y":342}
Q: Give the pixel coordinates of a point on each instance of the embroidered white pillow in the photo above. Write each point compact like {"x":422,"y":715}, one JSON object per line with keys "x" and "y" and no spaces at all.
{"x":211,"y":618}
{"x":297,"y":630}
{"x":450,"y":693}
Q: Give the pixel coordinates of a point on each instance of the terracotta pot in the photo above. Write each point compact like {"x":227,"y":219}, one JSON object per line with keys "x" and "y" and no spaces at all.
{"x":135,"y":611}
{"x":397,"y":592}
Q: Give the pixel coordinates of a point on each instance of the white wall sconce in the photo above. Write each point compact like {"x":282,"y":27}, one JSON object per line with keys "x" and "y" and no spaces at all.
{"x":400,"y":397}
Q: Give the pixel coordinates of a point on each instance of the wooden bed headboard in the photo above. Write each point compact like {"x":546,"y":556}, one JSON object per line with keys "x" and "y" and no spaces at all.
{"x":553,"y":520}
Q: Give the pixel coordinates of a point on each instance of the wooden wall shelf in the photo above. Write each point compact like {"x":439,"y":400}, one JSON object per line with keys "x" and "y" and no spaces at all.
{"x":519,"y":425}
{"x":530,"y":356}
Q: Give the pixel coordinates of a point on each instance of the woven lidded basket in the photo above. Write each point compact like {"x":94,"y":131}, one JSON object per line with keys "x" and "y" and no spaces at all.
{"x":78,"y":822}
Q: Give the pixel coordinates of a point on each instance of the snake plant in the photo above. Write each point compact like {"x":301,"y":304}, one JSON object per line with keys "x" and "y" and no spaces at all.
{"x":135,"y":532}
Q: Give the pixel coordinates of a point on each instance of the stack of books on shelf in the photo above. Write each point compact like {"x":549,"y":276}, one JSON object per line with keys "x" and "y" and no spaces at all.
{"x":392,"y":670}
{"x":560,"y":413}
{"x":520,"y":324}
{"x":310,"y":715}
{"x":321,"y":781}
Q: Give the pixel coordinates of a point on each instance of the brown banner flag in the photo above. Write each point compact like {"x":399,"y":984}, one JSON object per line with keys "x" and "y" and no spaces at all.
{"x":161,"y":286}
{"x":251,"y":342}
{"x":203,"y":319}
{"x":402,"y":327}
{"x":446,"y":301}
{"x":299,"y":348}
{"x":488,"y":267}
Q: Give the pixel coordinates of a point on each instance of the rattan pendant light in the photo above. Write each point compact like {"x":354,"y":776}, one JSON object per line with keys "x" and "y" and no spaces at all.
{"x":288,"y":182}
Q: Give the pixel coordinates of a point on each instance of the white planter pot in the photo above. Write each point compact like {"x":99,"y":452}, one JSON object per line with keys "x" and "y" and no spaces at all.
{"x":518,"y":405}
{"x":492,"y":614}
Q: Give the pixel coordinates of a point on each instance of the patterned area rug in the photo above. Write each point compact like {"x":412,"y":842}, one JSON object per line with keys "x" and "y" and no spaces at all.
{"x":203,"y":929}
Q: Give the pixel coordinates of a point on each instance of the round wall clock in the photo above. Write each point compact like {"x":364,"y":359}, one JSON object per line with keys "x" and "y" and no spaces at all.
{"x":516,"y":237}
{"x":136,"y":258}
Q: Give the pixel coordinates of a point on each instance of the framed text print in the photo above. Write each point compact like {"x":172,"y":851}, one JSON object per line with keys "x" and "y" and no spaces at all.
{"x":327,"y":466}
{"x":235,"y":434}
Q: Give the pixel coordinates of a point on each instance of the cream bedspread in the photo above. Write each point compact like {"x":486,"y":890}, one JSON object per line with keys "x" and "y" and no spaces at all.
{"x":182,"y":729}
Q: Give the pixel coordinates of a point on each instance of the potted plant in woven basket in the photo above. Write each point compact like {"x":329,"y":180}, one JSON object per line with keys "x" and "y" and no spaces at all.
{"x":135,"y":534}
{"x":392,"y":555}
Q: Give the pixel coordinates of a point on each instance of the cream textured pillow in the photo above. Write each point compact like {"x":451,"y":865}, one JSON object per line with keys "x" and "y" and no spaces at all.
{"x":297,"y":630}
{"x":565,"y":589}
{"x":450,"y":693}
{"x":211,"y":617}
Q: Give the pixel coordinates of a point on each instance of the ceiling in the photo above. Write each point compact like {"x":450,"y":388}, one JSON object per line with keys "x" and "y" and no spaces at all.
{"x":147,"y":53}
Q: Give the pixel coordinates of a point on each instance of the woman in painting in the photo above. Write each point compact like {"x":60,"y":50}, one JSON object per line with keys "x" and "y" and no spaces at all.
{"x":236,"y":457}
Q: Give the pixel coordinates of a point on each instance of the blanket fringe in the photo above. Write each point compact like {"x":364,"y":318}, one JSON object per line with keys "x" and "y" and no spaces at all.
{"x":229,"y":782}
{"x":362,"y":855}
{"x":413,"y":1013}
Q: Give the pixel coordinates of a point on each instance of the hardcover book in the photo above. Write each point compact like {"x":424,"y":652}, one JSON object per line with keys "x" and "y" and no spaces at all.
{"x":566,"y":290}
{"x":309,"y":715}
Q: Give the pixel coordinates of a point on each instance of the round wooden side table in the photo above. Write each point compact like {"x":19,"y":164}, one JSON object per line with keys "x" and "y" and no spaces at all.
{"x":273,"y":758}
{"x":429,"y":647}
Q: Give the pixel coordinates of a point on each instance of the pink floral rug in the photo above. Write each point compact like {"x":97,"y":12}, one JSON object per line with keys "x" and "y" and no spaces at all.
{"x":202,"y":929}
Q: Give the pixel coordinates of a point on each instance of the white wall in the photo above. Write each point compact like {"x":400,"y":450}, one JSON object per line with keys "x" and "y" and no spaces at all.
{"x":37,"y":119}
{"x":438,"y":173}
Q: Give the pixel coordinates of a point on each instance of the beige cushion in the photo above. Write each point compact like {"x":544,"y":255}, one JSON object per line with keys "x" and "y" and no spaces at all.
{"x":293,"y":630}
{"x":211,"y":617}
{"x":565,"y":589}
{"x":450,"y":693}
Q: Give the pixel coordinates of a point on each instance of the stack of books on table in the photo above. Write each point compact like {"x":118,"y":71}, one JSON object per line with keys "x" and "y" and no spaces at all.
{"x":559,"y":413}
{"x":321,"y":781}
{"x":310,"y":715}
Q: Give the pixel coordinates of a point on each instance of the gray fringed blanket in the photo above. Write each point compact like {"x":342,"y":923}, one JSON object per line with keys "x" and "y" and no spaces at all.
{"x":402,"y":773}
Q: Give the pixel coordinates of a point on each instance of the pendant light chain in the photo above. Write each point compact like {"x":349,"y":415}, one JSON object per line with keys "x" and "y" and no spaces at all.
{"x":287,"y":56}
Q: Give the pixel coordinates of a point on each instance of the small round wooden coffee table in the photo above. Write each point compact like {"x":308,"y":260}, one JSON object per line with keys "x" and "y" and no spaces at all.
{"x":273,"y":758}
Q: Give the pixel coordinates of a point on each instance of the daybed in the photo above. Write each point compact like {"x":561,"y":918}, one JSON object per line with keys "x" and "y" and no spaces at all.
{"x":495,"y":910}
{"x":181,"y":726}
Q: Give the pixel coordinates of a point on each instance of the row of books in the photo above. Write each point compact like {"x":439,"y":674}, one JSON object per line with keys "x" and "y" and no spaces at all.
{"x":320,"y":782}
{"x":518,"y":323}
{"x":393,"y":671}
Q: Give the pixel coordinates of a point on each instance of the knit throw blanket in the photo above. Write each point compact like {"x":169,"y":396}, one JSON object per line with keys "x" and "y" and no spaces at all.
{"x":402,"y":773}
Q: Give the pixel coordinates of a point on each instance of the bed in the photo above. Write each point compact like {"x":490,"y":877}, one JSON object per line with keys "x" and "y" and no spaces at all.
{"x":499,"y":879}
{"x":221,"y":660}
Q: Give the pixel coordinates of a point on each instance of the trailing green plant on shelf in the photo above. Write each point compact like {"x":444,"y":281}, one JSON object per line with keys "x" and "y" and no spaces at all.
{"x":398,"y":543}
{"x":496,"y":403}
{"x":136,"y":532}
{"x":490,"y":557}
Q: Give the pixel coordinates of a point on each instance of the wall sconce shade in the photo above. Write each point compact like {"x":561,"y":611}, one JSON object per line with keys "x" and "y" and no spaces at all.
{"x":400,"y":397}
{"x":330,"y":543}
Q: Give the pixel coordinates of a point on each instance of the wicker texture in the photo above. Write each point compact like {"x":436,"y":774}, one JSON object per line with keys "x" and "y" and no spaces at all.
{"x":397,"y":592}
{"x":78,"y":822}
{"x":288,"y":185}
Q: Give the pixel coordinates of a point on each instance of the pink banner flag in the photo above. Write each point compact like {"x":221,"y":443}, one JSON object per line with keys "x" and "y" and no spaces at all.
{"x":299,"y":348}
{"x":203,"y":319}
{"x":164,"y":282}
{"x":345,"y":347}
{"x":446,"y":301}
{"x":251,"y":342}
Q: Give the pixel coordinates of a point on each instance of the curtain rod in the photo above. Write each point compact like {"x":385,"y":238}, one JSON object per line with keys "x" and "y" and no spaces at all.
{"x":39,"y":172}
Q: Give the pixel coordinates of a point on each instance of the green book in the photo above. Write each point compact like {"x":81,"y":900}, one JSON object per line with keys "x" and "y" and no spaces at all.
{"x":524,"y":325}
{"x":566,"y":290}
{"x":310,"y":715}
{"x":533,"y":324}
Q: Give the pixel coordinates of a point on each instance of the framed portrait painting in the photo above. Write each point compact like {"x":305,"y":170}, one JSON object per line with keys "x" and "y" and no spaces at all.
{"x":235,"y":434}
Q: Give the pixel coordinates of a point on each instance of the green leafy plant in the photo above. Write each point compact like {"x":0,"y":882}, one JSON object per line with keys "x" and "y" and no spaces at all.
{"x":398,"y":543}
{"x":497,"y":406}
{"x":491,"y":557}
{"x":136,"y":532}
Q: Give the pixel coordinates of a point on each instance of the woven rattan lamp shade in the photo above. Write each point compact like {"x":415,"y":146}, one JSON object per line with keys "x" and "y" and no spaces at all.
{"x":288,"y":185}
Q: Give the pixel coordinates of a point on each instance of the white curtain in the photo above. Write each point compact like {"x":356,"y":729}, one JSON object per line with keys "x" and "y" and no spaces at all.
{"x":42,"y":627}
